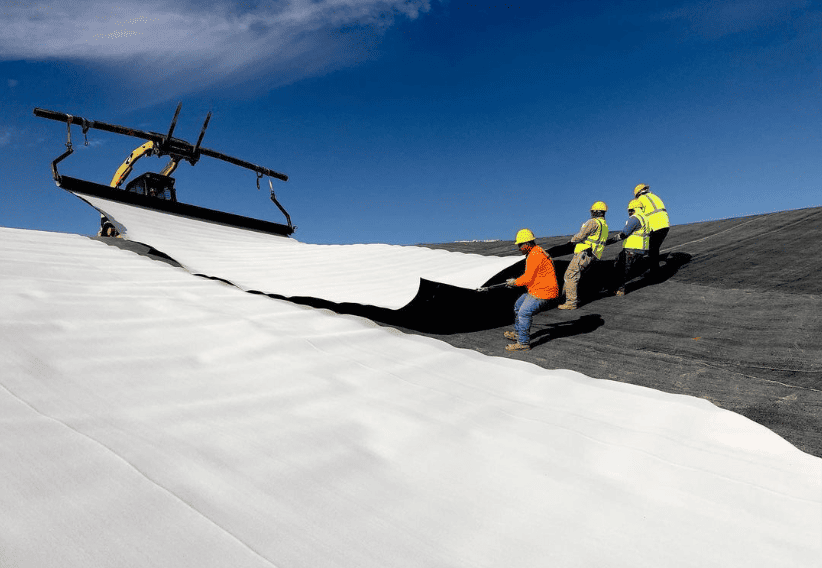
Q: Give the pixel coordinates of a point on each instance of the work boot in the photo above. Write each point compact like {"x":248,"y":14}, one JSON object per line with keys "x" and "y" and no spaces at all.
{"x":567,"y":306}
{"x":517,"y":347}
{"x":512,"y":335}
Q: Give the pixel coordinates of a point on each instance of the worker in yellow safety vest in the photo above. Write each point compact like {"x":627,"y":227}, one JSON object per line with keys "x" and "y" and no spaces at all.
{"x":590,"y":242}
{"x":654,"y":210}
{"x":636,"y":237}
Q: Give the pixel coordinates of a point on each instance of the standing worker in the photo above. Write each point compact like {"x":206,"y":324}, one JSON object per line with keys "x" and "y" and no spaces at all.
{"x":590,"y":241}
{"x":635,"y":248}
{"x":658,"y":222}
{"x":540,"y":280}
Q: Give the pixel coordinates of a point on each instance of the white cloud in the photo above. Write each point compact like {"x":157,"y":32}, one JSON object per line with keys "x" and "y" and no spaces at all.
{"x":713,"y":19}
{"x":202,"y":42}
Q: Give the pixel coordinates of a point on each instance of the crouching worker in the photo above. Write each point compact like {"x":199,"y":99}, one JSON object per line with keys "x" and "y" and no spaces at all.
{"x":540,"y":281}
{"x":635,"y":249}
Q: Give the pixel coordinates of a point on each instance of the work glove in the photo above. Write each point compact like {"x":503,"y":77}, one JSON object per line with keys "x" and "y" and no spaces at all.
{"x":511,"y":282}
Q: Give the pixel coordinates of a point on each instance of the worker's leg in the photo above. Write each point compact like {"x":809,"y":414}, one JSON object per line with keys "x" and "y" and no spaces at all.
{"x":634,"y":264}
{"x":638,"y":265}
{"x":579,"y":263}
{"x":517,"y":308}
{"x":620,"y":273}
{"x":528,"y":306}
{"x":572,"y":274}
{"x":654,"y":244}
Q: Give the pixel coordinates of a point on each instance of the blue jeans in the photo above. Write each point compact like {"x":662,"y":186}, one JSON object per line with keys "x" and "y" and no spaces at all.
{"x":524,"y":309}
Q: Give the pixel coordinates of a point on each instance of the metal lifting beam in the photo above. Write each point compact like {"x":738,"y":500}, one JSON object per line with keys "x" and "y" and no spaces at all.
{"x":166,"y":144}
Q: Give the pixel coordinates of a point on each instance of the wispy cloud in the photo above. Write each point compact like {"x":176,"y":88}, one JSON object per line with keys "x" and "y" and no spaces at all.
{"x":713,"y":19}
{"x":203,"y":42}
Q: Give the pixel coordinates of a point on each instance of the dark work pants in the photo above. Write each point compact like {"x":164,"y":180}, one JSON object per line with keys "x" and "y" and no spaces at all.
{"x":627,"y":264}
{"x":655,"y":242}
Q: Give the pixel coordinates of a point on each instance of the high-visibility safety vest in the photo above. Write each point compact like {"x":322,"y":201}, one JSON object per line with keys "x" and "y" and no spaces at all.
{"x":654,"y":211}
{"x":639,"y":239}
{"x":595,"y":242}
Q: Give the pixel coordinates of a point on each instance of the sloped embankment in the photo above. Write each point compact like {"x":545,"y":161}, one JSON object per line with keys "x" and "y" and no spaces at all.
{"x":149,"y":414}
{"x":737,"y":321}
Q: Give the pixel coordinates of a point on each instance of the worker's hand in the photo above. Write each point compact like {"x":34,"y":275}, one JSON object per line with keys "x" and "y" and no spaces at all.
{"x":511,"y":282}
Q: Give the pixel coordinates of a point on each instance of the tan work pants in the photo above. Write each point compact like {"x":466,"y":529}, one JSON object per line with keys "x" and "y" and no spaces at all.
{"x":579,"y":263}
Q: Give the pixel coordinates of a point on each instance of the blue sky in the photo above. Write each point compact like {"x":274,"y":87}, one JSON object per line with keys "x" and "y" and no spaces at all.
{"x":423,"y":121}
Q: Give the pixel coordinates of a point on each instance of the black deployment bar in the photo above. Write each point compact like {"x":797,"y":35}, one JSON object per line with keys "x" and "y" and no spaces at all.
{"x":170,"y":146}
{"x":81,"y":187}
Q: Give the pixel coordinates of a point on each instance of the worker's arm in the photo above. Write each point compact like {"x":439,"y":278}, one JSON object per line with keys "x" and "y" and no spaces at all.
{"x":538,"y":259}
{"x":588,"y":228}
{"x":631,"y":225}
{"x":531,"y":263}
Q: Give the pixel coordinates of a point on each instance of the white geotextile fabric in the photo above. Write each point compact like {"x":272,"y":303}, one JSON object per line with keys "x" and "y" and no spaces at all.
{"x":152,"y":418}
{"x":386,"y":276}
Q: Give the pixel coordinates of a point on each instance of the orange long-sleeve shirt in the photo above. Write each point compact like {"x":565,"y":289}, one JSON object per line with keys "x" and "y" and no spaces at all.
{"x":539,"y":277}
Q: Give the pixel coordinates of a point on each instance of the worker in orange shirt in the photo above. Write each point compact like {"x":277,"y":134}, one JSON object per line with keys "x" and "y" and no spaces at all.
{"x":540,"y":281}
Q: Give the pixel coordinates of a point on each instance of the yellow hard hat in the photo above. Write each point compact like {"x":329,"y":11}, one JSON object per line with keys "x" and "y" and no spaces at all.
{"x":640,"y":188}
{"x":599,"y":206}
{"x":635,"y":204}
{"x":524,"y":236}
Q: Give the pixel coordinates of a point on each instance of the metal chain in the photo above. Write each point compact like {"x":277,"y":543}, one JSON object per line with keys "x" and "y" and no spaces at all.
{"x":85,"y":128}
{"x":68,"y":127}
